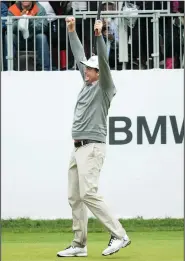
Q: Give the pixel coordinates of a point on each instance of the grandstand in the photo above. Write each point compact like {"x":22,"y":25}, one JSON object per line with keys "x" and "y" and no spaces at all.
{"x":139,"y":35}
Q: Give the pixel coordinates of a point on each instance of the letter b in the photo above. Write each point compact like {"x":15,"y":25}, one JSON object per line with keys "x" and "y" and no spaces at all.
{"x":113,"y":130}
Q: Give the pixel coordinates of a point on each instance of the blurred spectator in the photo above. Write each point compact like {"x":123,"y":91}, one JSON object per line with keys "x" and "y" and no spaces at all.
{"x":110,"y":26}
{"x":4,"y":12}
{"x":52,"y":17}
{"x":40,"y":26}
{"x":87,"y":24}
{"x":51,"y":32}
{"x":49,"y":10}
{"x":8,"y":3}
{"x":58,"y":36}
{"x":111,"y":35}
{"x":80,"y":6}
{"x":170,"y":30}
{"x":81,"y":23}
{"x":141,"y":41}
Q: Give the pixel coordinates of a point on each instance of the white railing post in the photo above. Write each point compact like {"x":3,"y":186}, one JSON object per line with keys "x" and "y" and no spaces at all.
{"x":10,"y":43}
{"x":155,"y":53}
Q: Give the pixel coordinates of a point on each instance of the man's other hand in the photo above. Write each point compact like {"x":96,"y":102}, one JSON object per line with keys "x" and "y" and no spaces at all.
{"x":70,"y":22}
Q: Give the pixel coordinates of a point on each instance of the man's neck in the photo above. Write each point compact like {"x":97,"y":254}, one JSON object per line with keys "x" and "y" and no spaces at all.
{"x":90,"y":83}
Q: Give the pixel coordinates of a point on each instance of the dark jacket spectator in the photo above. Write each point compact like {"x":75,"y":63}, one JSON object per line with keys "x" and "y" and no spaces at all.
{"x":93,"y":5}
{"x":4,"y":13}
{"x":8,"y":3}
{"x":61,"y":7}
{"x":58,"y":35}
{"x":181,"y":6}
{"x":171,"y":34}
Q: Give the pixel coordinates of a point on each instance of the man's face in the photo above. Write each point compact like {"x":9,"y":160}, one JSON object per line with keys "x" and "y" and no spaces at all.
{"x":26,"y":4}
{"x":91,"y":75}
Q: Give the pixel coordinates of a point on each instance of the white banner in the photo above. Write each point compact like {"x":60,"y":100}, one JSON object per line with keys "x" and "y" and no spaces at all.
{"x":143,"y":170}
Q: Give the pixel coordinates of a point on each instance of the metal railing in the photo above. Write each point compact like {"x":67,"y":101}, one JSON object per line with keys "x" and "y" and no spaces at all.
{"x":91,"y":7}
{"x":154,"y":41}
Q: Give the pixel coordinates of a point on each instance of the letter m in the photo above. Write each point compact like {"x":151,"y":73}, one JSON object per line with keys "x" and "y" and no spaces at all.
{"x":142,"y":125}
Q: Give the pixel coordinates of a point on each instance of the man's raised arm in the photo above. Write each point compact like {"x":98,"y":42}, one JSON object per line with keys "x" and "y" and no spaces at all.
{"x":76,"y":46}
{"x":105,"y":77}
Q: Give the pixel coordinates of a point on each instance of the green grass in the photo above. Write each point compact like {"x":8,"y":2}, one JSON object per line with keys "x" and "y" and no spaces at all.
{"x":40,"y":240}
{"x":146,"y":246}
{"x":64,"y":225}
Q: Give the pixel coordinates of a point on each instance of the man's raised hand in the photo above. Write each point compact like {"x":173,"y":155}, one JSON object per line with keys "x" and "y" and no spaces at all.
{"x":70,"y":22}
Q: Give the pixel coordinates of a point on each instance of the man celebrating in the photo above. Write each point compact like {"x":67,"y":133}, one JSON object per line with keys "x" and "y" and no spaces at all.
{"x":89,"y":133}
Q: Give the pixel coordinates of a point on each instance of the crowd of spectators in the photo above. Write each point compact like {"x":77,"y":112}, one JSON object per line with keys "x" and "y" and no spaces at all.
{"x":47,"y":36}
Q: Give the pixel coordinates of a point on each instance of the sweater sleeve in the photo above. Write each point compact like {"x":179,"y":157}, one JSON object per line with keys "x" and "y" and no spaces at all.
{"x":78,"y":51}
{"x":105,"y":78}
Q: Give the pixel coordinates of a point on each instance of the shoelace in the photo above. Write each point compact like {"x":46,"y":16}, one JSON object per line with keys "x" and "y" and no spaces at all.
{"x":111,"y":240}
{"x":69,"y":247}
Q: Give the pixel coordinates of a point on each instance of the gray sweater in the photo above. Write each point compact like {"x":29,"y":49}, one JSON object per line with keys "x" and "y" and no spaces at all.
{"x":91,"y":110}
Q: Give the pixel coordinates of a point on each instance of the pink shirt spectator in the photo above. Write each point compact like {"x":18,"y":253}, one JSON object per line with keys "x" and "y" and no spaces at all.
{"x":175,"y":6}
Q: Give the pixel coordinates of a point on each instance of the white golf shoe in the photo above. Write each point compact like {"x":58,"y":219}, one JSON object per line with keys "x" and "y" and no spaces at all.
{"x":72,"y":251}
{"x":126,"y":241}
{"x":115,"y":245}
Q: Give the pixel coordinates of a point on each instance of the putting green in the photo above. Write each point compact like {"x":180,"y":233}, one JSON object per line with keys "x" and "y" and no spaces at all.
{"x":145,"y":246}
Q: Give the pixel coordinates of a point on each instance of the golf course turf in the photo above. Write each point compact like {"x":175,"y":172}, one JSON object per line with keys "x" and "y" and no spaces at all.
{"x":29,"y":243}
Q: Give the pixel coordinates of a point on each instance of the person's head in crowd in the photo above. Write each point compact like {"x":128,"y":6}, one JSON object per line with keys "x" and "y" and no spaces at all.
{"x":27,"y":4}
{"x":27,"y":7}
{"x":109,"y":6}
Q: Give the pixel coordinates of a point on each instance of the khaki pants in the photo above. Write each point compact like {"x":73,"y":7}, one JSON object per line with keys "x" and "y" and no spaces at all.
{"x":84,"y":171}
